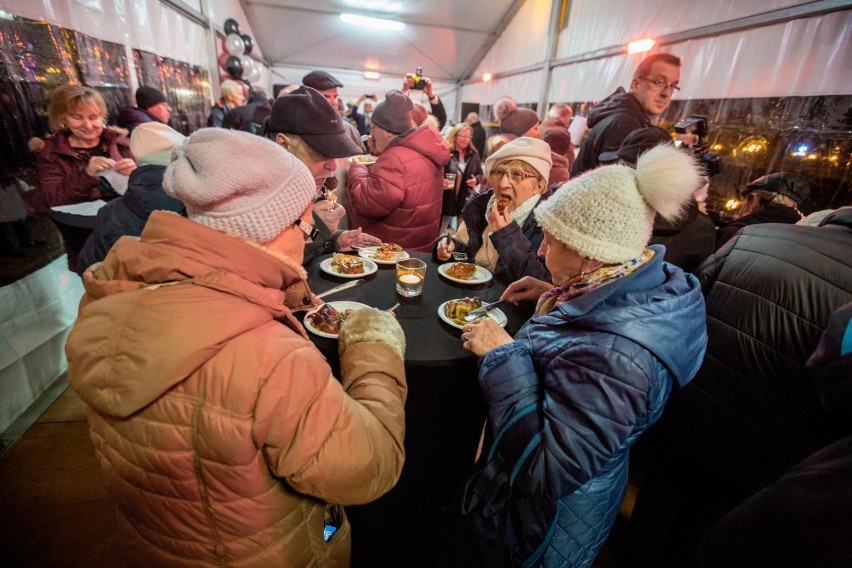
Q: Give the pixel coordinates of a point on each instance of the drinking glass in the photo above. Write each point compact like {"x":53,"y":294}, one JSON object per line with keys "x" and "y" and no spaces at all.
{"x":410,"y":274}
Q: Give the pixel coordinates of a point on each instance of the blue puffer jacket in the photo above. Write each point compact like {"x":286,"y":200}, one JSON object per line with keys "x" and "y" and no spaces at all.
{"x":599,"y":369}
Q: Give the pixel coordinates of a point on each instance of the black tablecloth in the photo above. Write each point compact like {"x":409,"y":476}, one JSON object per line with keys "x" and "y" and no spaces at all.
{"x":444,"y":413}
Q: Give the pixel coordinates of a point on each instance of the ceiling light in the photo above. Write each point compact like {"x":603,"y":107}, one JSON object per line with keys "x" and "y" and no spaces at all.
{"x":376,"y":23}
{"x":640,"y":45}
{"x":372,"y":75}
{"x":486,"y":77}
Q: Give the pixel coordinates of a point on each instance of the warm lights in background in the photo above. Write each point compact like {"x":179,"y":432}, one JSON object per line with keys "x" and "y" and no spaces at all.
{"x":640,"y":45}
{"x":486,"y":77}
{"x":372,"y":75}
{"x":732,"y":204}
{"x":751,"y":146}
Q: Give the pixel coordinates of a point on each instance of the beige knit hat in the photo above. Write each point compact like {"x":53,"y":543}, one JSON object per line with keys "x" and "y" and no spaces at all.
{"x":152,"y":143}
{"x":608,"y":213}
{"x":533,"y":151}
{"x":239,"y":183}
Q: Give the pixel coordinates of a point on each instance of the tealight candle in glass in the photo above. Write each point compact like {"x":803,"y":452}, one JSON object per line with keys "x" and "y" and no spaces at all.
{"x":410,"y":274}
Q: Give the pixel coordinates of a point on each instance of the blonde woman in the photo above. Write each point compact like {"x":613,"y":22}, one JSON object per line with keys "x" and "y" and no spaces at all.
{"x":466,"y":165}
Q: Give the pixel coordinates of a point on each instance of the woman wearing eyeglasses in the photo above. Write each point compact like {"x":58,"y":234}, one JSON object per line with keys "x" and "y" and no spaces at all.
{"x":499,"y":231}
{"x":466,"y":166}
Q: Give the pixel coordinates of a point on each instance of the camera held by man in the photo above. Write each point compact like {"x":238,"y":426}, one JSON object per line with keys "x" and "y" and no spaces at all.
{"x":418,"y":81}
{"x":691,"y":134}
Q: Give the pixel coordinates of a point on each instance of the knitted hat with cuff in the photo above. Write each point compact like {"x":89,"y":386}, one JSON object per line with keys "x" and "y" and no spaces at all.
{"x":152,"y":143}
{"x":607,"y":214}
{"x":257,"y":199}
{"x":514,"y":120}
{"x":394,"y":113}
{"x":533,"y":151}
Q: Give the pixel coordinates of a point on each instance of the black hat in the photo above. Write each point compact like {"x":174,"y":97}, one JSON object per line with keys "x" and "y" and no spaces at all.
{"x":320,"y":80}
{"x":637,"y":143}
{"x":794,"y":186}
{"x":146,"y":97}
{"x":307,"y":114}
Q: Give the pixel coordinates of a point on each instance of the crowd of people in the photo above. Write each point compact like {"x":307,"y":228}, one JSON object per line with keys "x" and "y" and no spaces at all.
{"x":225,"y":436}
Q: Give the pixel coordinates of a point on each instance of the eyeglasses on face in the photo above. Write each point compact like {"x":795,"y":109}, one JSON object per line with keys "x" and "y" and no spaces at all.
{"x":514,"y":175}
{"x":662,"y":84}
{"x":465,"y":136}
{"x":310,"y":231}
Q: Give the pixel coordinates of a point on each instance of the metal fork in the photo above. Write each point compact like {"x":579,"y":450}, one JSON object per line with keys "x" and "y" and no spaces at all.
{"x":459,"y":256}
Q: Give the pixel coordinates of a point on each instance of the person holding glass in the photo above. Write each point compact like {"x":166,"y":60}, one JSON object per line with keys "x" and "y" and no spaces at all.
{"x":616,"y":330}
{"x":461,"y":174}
{"x":498,"y":230}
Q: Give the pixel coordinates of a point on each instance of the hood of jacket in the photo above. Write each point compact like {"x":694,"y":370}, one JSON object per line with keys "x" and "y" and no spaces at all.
{"x":659,"y":307}
{"x":425,"y":140}
{"x":145,"y":192}
{"x":160,"y":306}
{"x":619,"y":101}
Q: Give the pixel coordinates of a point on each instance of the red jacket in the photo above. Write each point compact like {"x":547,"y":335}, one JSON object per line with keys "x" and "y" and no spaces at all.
{"x":62,"y":174}
{"x":398,"y":199}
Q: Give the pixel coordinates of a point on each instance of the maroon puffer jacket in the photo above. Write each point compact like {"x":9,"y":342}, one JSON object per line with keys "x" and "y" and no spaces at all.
{"x":62,"y":174}
{"x":398,"y":199}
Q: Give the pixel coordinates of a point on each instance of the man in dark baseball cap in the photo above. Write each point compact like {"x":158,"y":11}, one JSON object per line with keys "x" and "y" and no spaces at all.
{"x":305,"y":124}
{"x":635,"y":144}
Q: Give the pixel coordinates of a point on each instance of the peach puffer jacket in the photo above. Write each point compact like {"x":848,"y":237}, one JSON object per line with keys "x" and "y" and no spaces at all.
{"x":224,"y":438}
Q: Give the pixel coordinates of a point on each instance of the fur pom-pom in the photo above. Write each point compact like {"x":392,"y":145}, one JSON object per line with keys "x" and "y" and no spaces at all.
{"x":667,"y":177}
{"x":504,"y":107}
{"x":35,"y":144}
{"x":371,"y":324}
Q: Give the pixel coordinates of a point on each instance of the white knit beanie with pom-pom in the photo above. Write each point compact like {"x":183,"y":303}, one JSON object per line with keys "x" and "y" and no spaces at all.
{"x":239,"y":183}
{"x":608,"y":213}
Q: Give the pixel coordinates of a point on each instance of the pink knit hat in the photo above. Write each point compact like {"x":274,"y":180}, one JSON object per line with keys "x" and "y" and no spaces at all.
{"x":239,"y":183}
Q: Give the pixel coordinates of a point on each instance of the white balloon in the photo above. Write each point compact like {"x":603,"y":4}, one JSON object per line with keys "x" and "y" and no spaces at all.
{"x":247,"y":64}
{"x":254,"y":74}
{"x":235,"y":45}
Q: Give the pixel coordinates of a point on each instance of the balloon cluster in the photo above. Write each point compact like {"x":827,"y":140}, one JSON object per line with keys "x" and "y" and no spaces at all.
{"x":235,"y":59}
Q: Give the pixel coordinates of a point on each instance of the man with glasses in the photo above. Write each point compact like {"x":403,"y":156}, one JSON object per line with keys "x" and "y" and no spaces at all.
{"x":654,"y":83}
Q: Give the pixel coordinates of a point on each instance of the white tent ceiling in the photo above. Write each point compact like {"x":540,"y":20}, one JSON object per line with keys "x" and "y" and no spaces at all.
{"x":446,"y":38}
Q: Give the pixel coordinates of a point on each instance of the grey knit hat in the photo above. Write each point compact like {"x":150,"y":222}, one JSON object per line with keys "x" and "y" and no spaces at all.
{"x":394,"y":113}
{"x":255,"y":197}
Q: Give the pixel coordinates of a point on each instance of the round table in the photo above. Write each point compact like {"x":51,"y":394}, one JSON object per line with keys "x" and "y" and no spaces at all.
{"x":430,"y":341}
{"x":444,"y":412}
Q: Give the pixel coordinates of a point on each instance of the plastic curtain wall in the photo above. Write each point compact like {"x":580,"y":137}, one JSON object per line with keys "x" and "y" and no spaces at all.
{"x":788,"y":108}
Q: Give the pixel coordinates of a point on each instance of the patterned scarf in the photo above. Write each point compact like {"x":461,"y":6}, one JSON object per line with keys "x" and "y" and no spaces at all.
{"x":585,"y":283}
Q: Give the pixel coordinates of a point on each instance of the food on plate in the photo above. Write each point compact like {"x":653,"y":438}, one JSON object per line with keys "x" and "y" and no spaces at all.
{"x":388,"y":251}
{"x":346,"y":264}
{"x":502,"y":203}
{"x":462,"y":270}
{"x":456,"y":310}
{"x":327,"y":319}
{"x":365,"y":159}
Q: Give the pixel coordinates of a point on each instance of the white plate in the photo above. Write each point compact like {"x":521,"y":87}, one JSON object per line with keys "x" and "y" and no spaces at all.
{"x":368,"y":252}
{"x":480,"y":276}
{"x":363,"y":159}
{"x":495,"y":314}
{"x":369,"y":268}
{"x":340,"y":307}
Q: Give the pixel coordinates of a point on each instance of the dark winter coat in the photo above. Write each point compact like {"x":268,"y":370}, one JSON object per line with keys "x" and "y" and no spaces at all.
{"x":609,"y":122}
{"x":62,"y":176}
{"x":453,"y":202}
{"x":779,"y":214}
{"x":517,"y":246}
{"x":689,"y":240}
{"x":128,"y":214}
{"x":478,"y":137}
{"x":131,"y":117}
{"x":598,"y":369}
{"x":752,"y":412}
{"x":398,"y":199}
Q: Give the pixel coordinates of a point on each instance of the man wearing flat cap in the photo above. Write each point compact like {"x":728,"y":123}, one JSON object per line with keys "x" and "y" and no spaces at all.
{"x":151,"y":106}
{"x":305,"y":124}
{"x":774,"y":198}
{"x":327,"y":86}
{"x":398,"y":199}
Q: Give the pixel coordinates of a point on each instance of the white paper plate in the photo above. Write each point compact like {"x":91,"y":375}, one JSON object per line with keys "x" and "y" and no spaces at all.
{"x":368,"y":252}
{"x":480,"y":276}
{"x":496,"y":314}
{"x":341,"y":307}
{"x":369,"y":268}
{"x":363,"y":159}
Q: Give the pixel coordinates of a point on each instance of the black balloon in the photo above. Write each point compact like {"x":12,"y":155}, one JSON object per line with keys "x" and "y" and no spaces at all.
{"x":231,"y":26}
{"x":234,"y":67}
{"x":248,"y":42}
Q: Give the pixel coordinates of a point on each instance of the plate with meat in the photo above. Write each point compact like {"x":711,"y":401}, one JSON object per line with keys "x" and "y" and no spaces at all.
{"x":348,"y":266}
{"x":464,"y":273}
{"x":325,"y":320}
{"x":385,"y":253}
{"x":364,"y":159}
{"x":454,"y":311}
